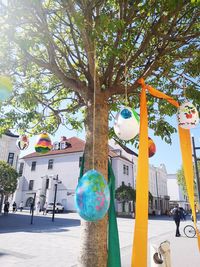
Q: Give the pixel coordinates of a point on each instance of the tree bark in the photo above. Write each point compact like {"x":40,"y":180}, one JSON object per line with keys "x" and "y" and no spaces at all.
{"x":93,"y":252}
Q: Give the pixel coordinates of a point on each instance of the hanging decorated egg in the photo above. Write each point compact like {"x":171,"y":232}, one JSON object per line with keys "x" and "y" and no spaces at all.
{"x":92,"y":197}
{"x":151,"y":147}
{"x":188,"y":116}
{"x":126,"y":124}
{"x":22,"y":142}
{"x":43,"y":144}
{"x":5,"y":88}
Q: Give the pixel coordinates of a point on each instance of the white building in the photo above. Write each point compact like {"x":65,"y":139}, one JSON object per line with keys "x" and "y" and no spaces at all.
{"x":8,"y":153}
{"x":8,"y":149}
{"x":175,"y":192}
{"x":158,"y":189}
{"x":157,"y":180}
{"x":39,"y":173}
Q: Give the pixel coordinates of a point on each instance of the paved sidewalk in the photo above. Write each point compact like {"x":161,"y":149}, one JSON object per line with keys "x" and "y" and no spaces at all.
{"x":56,"y":244}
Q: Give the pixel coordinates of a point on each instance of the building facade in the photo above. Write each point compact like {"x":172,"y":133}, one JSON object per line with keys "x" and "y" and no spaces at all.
{"x":177,"y":196}
{"x":158,"y":189}
{"x":8,"y":153}
{"x":39,"y":173}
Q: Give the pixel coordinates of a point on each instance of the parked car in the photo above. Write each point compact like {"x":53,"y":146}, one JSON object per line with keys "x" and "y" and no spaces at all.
{"x":58,"y":208}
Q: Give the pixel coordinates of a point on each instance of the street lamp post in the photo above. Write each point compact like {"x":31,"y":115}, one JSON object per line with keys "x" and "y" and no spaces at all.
{"x":33,"y":207}
{"x":55,"y":194}
{"x":196,"y":167}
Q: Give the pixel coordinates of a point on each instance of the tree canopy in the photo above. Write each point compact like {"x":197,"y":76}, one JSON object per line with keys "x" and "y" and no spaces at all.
{"x":48,"y":49}
{"x":8,"y":178}
{"x":125,"y":193}
{"x":76,"y":62}
{"x":181,"y":179}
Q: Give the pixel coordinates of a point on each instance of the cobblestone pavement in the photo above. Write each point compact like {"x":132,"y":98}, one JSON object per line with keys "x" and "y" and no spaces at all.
{"x":56,"y":244}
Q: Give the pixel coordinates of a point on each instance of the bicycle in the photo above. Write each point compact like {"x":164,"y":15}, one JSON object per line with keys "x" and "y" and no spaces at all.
{"x":189,"y":231}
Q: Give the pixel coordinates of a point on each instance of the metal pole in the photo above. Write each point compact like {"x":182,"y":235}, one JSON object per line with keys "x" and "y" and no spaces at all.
{"x":158,"y":199}
{"x":32,"y":211}
{"x":54,"y":203}
{"x":196,"y":168}
{"x":1,"y":201}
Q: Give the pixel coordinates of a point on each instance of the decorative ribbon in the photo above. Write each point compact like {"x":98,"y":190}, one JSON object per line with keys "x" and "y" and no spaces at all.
{"x":139,"y":253}
{"x":114,"y":258}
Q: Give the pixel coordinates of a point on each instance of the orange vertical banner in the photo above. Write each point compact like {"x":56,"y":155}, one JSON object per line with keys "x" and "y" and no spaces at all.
{"x":139,"y":253}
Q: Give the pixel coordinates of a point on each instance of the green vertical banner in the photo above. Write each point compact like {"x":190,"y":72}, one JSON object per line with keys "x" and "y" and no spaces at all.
{"x":82,"y":167}
{"x":114,"y":259}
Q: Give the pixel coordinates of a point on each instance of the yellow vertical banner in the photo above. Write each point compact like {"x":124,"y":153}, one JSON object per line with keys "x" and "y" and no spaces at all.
{"x":140,"y":241}
{"x":139,"y":253}
{"x":186,"y":149}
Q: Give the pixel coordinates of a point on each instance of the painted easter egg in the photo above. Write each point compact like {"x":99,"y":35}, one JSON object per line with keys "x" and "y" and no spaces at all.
{"x":5,"y":88}
{"x":151,"y":147}
{"x":43,"y":144}
{"x":22,"y":142}
{"x":126,"y":125}
{"x":92,"y":197}
{"x":187,"y":115}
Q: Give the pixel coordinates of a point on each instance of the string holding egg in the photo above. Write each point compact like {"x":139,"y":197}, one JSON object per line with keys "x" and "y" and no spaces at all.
{"x":92,"y":196}
{"x":126,"y":125}
{"x":6,"y":88}
{"x":187,"y":115}
{"x":22,"y":142}
{"x":43,"y":144}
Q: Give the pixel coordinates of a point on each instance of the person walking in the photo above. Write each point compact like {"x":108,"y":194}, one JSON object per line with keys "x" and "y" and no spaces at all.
{"x":6,"y":208}
{"x":14,"y":205}
{"x":45,"y":208}
{"x":21,"y":206}
{"x":38,"y":207}
{"x":177,"y":218}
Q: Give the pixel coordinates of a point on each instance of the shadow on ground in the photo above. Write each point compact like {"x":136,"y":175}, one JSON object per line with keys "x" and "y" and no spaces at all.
{"x":22,"y":223}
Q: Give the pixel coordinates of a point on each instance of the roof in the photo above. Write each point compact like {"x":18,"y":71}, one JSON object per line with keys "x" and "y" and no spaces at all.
{"x":9,"y":133}
{"x":77,"y":145}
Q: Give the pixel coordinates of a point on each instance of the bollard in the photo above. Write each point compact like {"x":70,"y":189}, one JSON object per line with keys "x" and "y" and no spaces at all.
{"x":160,"y":256}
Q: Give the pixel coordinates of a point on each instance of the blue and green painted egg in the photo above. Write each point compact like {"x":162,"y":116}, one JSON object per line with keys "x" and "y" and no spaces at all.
{"x":92,"y":197}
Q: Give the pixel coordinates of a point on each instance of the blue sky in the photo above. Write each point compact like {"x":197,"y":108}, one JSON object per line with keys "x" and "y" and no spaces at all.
{"x":170,"y":155}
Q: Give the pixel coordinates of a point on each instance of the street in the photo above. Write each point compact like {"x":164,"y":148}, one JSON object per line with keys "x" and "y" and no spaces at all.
{"x":47,"y":243}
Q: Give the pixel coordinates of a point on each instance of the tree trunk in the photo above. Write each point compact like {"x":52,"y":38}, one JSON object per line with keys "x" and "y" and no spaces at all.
{"x":93,"y":252}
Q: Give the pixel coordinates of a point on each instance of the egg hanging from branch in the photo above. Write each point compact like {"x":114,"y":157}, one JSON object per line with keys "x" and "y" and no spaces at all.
{"x":126,"y":125}
{"x":43,"y":144}
{"x":22,"y":142}
{"x":6,"y":88}
{"x":92,"y":197}
{"x":151,"y":147}
{"x":188,"y":116}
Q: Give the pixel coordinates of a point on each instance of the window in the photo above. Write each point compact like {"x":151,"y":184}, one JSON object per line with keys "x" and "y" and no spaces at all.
{"x":125,"y":169}
{"x":50,"y":164}
{"x":33,"y":166}
{"x":62,"y":145}
{"x":47,"y":183}
{"x":30,"y":186}
{"x":21,"y":168}
{"x":10,"y":158}
{"x":80,"y":161}
{"x":56,"y":146}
